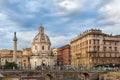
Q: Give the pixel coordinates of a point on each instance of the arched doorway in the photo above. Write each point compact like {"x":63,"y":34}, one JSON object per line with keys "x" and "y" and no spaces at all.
{"x":49,"y":77}
{"x":83,"y":76}
{"x":87,"y":77}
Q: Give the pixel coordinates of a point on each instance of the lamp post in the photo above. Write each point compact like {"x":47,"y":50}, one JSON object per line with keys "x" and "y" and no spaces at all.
{"x":29,"y":65}
{"x":20,"y":65}
{"x":35,"y":64}
{"x":0,"y":59}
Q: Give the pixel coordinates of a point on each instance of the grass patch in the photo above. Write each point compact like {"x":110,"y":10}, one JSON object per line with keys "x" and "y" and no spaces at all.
{"x":68,"y":74}
{"x":113,"y":74}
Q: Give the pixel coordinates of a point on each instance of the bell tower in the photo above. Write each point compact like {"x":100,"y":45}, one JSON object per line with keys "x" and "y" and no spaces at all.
{"x":15,"y":48}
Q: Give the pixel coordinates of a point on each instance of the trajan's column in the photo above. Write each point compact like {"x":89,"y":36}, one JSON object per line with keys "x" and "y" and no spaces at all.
{"x":15,"y":48}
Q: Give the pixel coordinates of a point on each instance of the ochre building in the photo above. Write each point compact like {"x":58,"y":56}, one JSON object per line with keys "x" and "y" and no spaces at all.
{"x":26,"y":57}
{"x":7,"y":55}
{"x":93,"y":47}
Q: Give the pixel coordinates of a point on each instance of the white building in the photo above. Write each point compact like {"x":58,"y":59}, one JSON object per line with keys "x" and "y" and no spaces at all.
{"x":41,"y":50}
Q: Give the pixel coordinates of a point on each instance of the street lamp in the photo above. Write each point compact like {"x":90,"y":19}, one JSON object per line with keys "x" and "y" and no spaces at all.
{"x":20,"y":65}
{"x":29,"y":65}
{"x":35,"y":64}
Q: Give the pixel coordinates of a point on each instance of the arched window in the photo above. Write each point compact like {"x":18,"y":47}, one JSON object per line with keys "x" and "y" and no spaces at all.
{"x":42,"y":47}
{"x":35,"y":47}
{"x":48,"y":47}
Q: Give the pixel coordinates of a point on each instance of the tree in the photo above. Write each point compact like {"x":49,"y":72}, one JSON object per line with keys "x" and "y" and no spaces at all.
{"x":10,"y":65}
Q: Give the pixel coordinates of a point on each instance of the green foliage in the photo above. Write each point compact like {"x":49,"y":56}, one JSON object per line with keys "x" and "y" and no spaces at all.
{"x":10,"y":65}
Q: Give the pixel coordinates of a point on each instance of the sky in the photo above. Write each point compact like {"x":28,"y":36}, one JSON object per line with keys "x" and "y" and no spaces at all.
{"x":63,"y":20}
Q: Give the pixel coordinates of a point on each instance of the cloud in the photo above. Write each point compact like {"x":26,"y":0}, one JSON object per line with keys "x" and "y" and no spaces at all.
{"x":63,"y":19}
{"x":14,"y":1}
{"x":109,"y":17}
{"x":67,"y":7}
{"x":33,"y":6}
{"x":60,"y":40}
{"x":110,"y":12}
{"x":25,"y":38}
{"x":109,"y":29}
{"x":6,"y":24}
{"x":7,"y":28}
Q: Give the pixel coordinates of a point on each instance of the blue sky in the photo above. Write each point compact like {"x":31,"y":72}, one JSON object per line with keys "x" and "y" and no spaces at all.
{"x":62,"y":19}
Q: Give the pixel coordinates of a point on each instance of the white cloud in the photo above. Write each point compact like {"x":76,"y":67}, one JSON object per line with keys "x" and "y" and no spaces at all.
{"x":114,"y":29}
{"x":6,"y":24}
{"x":60,"y":40}
{"x":62,"y":11}
{"x":3,"y":16}
{"x":66,"y":7}
{"x":26,"y":36}
{"x":111,"y":11}
{"x":110,"y":15}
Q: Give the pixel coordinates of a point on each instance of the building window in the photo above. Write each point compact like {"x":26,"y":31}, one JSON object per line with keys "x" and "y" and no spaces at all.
{"x":86,"y":42}
{"x":93,"y":41}
{"x":94,"y":47}
{"x":89,"y":41}
{"x":110,"y":43}
{"x":35,"y":47}
{"x":104,"y":49}
{"x":98,"y":48}
{"x":110,"y":48}
{"x":42,"y":47}
{"x":107,"y":54}
{"x":48,"y":47}
{"x":115,"y":48}
{"x":104,"y":43}
{"x":98,"y":41}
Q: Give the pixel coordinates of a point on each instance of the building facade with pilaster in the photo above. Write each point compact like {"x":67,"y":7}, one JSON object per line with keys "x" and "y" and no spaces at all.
{"x":93,"y":47}
{"x":25,"y":57}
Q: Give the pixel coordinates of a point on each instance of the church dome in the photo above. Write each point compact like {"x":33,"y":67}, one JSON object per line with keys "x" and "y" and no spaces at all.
{"x":41,"y":50}
{"x":41,"y":37}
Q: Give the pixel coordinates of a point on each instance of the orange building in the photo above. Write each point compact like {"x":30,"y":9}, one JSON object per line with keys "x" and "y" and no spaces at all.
{"x":7,"y":55}
{"x":63,"y":55}
{"x":25,"y":57}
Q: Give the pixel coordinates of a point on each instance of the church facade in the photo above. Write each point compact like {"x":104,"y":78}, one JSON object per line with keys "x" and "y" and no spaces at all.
{"x":41,"y":53}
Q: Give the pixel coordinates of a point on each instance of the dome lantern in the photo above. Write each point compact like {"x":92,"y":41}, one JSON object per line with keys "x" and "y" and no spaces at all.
{"x":41,"y":29}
